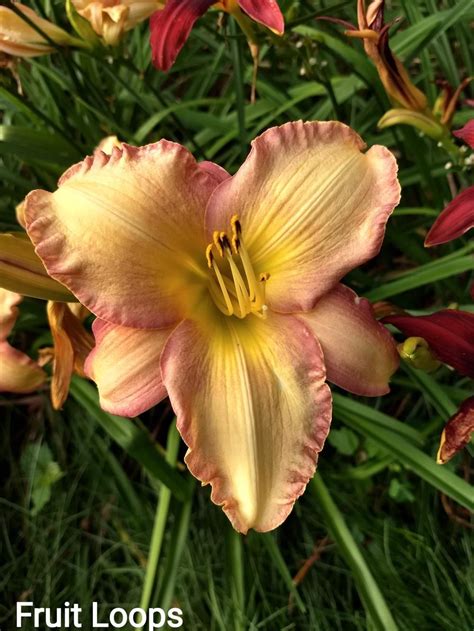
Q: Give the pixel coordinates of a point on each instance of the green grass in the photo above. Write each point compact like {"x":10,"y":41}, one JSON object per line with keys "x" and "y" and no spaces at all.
{"x":404,"y":544}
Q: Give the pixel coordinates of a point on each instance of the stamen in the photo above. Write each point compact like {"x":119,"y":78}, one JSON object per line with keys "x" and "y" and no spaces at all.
{"x":243,"y":293}
{"x":217,"y":243}
{"x":220,"y":280}
{"x":209,"y":255}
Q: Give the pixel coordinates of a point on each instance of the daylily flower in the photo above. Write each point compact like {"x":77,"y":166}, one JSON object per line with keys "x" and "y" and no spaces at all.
{"x":18,"y":372}
{"x":457,"y":432}
{"x":110,"y":19}
{"x":222,"y":293}
{"x":19,"y":39}
{"x":466,"y":133}
{"x":458,"y":216}
{"x":456,"y":219}
{"x":170,"y":28}
{"x":449,"y":334}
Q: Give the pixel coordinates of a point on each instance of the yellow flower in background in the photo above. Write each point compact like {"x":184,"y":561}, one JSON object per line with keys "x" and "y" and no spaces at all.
{"x":110,"y":19}
{"x":19,"y":39}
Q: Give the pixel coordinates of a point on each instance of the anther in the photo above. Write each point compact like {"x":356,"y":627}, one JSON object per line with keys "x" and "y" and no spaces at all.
{"x":236,"y":227}
{"x":224,"y":241}
{"x":264,"y":276}
{"x":217,"y":242}
{"x":209,"y":255}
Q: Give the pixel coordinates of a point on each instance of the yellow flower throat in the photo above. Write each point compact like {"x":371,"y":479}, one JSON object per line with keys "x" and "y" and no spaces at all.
{"x":234,"y":286}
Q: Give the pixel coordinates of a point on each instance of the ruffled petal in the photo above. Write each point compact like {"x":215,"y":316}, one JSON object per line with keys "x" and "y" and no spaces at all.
{"x":170,"y":28}
{"x":18,"y":373}
{"x":266,"y":12}
{"x":125,"y":364}
{"x":312,"y":206}
{"x":456,"y":219}
{"x":449,"y":333}
{"x":359,"y":353}
{"x":125,"y":233}
{"x":253,"y":408}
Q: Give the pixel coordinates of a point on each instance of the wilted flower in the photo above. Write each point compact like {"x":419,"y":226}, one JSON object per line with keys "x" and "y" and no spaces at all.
{"x":18,"y":372}
{"x":457,"y":432}
{"x":71,"y":345}
{"x":170,"y":28}
{"x":222,"y":293}
{"x":19,"y":39}
{"x":110,"y":19}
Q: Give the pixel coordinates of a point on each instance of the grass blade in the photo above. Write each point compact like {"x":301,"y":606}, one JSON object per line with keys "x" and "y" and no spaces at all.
{"x":134,"y":440}
{"x":371,"y":596}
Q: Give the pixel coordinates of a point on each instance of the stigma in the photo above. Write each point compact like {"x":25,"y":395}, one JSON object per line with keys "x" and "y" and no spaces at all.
{"x":234,"y":286}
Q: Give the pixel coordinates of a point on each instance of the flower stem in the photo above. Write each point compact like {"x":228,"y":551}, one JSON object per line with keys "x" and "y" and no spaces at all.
{"x":159,"y":525}
{"x":234,"y":553}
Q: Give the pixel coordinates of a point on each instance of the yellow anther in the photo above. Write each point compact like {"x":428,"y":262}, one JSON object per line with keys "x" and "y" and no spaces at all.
{"x":264,"y":276}
{"x":209,"y":255}
{"x":217,"y":243}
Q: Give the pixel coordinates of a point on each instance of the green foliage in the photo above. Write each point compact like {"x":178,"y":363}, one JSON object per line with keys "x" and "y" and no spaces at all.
{"x":42,"y":472}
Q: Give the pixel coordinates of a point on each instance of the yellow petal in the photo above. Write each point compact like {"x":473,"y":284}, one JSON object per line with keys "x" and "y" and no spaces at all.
{"x":253,"y":408}
{"x":312,"y":206}
{"x":22,"y":271}
{"x":125,"y":233}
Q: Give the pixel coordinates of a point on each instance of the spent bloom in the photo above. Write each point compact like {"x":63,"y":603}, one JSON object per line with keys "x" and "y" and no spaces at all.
{"x":170,"y":28}
{"x":19,"y":39}
{"x":110,"y":19}
{"x":223,"y":293}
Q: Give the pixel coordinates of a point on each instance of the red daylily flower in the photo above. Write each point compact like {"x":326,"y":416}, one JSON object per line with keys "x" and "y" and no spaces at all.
{"x":466,"y":133}
{"x":456,"y":219}
{"x":458,"y":216}
{"x":170,"y":28}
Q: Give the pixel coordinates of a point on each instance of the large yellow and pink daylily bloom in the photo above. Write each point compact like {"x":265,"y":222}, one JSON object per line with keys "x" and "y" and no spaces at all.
{"x":18,"y":372}
{"x":223,"y":293}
